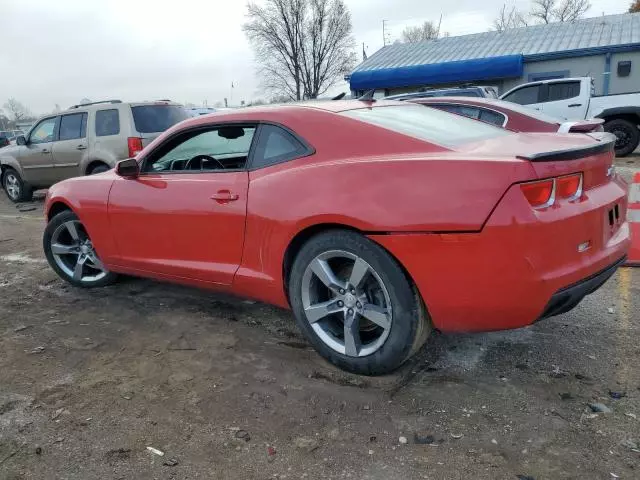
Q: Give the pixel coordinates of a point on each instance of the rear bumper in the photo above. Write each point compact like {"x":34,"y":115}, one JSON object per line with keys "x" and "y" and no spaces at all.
{"x":524,"y":265}
{"x":567,"y":298}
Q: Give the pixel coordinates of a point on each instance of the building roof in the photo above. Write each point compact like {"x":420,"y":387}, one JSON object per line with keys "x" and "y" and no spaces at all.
{"x":534,"y":43}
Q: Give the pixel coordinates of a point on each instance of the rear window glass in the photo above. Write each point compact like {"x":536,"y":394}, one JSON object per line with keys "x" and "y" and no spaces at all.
{"x":157,"y":118}
{"x":427,"y":124}
{"x":107,"y":122}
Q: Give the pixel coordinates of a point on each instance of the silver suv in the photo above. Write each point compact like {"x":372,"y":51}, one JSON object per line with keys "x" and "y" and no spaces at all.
{"x":86,"y":139}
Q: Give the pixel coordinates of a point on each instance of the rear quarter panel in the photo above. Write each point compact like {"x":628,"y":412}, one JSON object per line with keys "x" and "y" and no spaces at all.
{"x":441,"y":192}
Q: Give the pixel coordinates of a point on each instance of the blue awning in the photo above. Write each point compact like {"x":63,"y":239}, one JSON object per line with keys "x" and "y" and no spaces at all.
{"x":439,"y":73}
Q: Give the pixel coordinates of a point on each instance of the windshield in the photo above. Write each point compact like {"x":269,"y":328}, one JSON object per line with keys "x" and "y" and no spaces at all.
{"x":157,"y":118}
{"x":427,"y":124}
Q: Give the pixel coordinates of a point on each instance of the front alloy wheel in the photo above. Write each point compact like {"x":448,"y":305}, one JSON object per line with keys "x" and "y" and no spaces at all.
{"x":71,"y":254}
{"x":16,"y":189}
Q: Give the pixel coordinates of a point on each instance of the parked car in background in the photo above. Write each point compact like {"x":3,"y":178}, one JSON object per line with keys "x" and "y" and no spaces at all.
{"x":466,"y":91}
{"x":86,"y":139}
{"x":574,"y":99}
{"x":376,"y":222}
{"x":196,"y":111}
{"x":509,"y":115}
{"x":5,"y":138}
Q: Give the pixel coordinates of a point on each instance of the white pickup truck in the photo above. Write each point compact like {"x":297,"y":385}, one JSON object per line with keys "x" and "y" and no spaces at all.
{"x":574,"y":99}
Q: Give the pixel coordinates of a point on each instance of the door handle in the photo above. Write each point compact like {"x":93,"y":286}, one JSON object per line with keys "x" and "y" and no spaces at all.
{"x":81,"y":147}
{"x":575,"y":105}
{"x":44,"y":150}
{"x":225,"y":196}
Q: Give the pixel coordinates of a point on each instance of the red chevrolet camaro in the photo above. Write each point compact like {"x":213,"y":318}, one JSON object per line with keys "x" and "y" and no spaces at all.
{"x":509,"y":115}
{"x":373,"y":221}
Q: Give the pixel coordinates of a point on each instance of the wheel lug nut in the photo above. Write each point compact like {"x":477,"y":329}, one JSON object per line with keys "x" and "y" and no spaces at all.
{"x":341,"y":291}
{"x":359,"y":305}
{"x":350,"y":311}
{"x":340,"y":303}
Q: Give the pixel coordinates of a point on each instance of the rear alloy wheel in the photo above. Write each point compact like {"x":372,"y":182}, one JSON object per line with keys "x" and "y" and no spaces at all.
{"x":354,"y":303}
{"x":16,"y":189}
{"x":627,"y":135}
{"x":71,"y":254}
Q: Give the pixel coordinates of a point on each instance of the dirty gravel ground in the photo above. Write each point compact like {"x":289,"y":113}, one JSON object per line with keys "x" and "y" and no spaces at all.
{"x":228,"y":389}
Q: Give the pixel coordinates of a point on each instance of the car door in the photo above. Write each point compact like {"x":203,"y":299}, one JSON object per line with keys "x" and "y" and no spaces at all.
{"x":528,"y":95}
{"x":70,"y":146}
{"x":184,"y":216}
{"x":36,"y":159}
{"x":564,"y":100}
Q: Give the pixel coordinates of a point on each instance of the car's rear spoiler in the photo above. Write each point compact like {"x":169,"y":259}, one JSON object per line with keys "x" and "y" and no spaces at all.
{"x":583,"y":126}
{"x":605,"y":143}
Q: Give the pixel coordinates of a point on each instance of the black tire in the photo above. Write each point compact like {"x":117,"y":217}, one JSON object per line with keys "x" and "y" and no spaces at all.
{"x":627,"y":133}
{"x":99,"y":168}
{"x":20,"y":191}
{"x":57,"y":221}
{"x":410,"y":324}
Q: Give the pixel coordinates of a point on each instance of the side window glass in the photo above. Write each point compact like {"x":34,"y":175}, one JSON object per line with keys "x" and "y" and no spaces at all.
{"x":563,"y":91}
{"x":524,"y":96}
{"x":107,"y":122}
{"x":73,"y":126}
{"x":219,"y":149}
{"x":470,"y":112}
{"x":43,"y":132}
{"x":492,"y":117}
{"x":276,"y":145}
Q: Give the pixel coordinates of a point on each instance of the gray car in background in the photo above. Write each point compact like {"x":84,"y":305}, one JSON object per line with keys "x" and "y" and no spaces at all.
{"x":84,"y":140}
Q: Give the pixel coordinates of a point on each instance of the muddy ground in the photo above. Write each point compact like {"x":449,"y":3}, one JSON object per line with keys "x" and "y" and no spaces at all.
{"x":228,"y":389}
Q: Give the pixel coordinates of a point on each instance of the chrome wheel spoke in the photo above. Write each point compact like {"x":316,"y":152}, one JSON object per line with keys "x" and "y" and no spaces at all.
{"x":359,"y":271}
{"x":59,"y":249}
{"x":73,"y":231}
{"x":79,"y":268}
{"x":378,"y":315}
{"x":323,"y":271}
{"x":321,"y":310}
{"x":96,"y":263}
{"x":352,"y":342}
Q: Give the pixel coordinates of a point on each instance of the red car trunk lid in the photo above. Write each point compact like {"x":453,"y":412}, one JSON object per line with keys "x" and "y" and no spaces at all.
{"x":554,"y":155}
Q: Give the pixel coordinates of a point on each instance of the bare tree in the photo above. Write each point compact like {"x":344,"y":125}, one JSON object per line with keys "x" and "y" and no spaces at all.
{"x":17,"y":110}
{"x":635,"y":7}
{"x":509,"y":18}
{"x":426,"y":31}
{"x":327,"y":46}
{"x":302,"y":46}
{"x":549,"y":11}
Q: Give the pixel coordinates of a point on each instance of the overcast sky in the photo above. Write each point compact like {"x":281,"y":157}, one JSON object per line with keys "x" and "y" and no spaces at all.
{"x":58,"y":52}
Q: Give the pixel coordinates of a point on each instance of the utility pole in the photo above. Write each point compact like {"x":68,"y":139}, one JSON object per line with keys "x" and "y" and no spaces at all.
{"x":439,"y":24}
{"x":384,"y":33}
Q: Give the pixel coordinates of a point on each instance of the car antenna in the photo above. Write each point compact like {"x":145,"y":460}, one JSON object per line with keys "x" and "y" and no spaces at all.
{"x":368,"y":96}
{"x":339,"y":96}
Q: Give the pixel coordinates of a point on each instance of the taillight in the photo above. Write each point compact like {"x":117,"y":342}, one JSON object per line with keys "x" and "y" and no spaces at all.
{"x":540,"y":194}
{"x":569,"y":186}
{"x":544,"y":193}
{"x":135,"y":146}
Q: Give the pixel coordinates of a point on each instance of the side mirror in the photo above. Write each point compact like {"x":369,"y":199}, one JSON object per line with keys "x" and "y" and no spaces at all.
{"x":128,"y":168}
{"x":20,"y":140}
